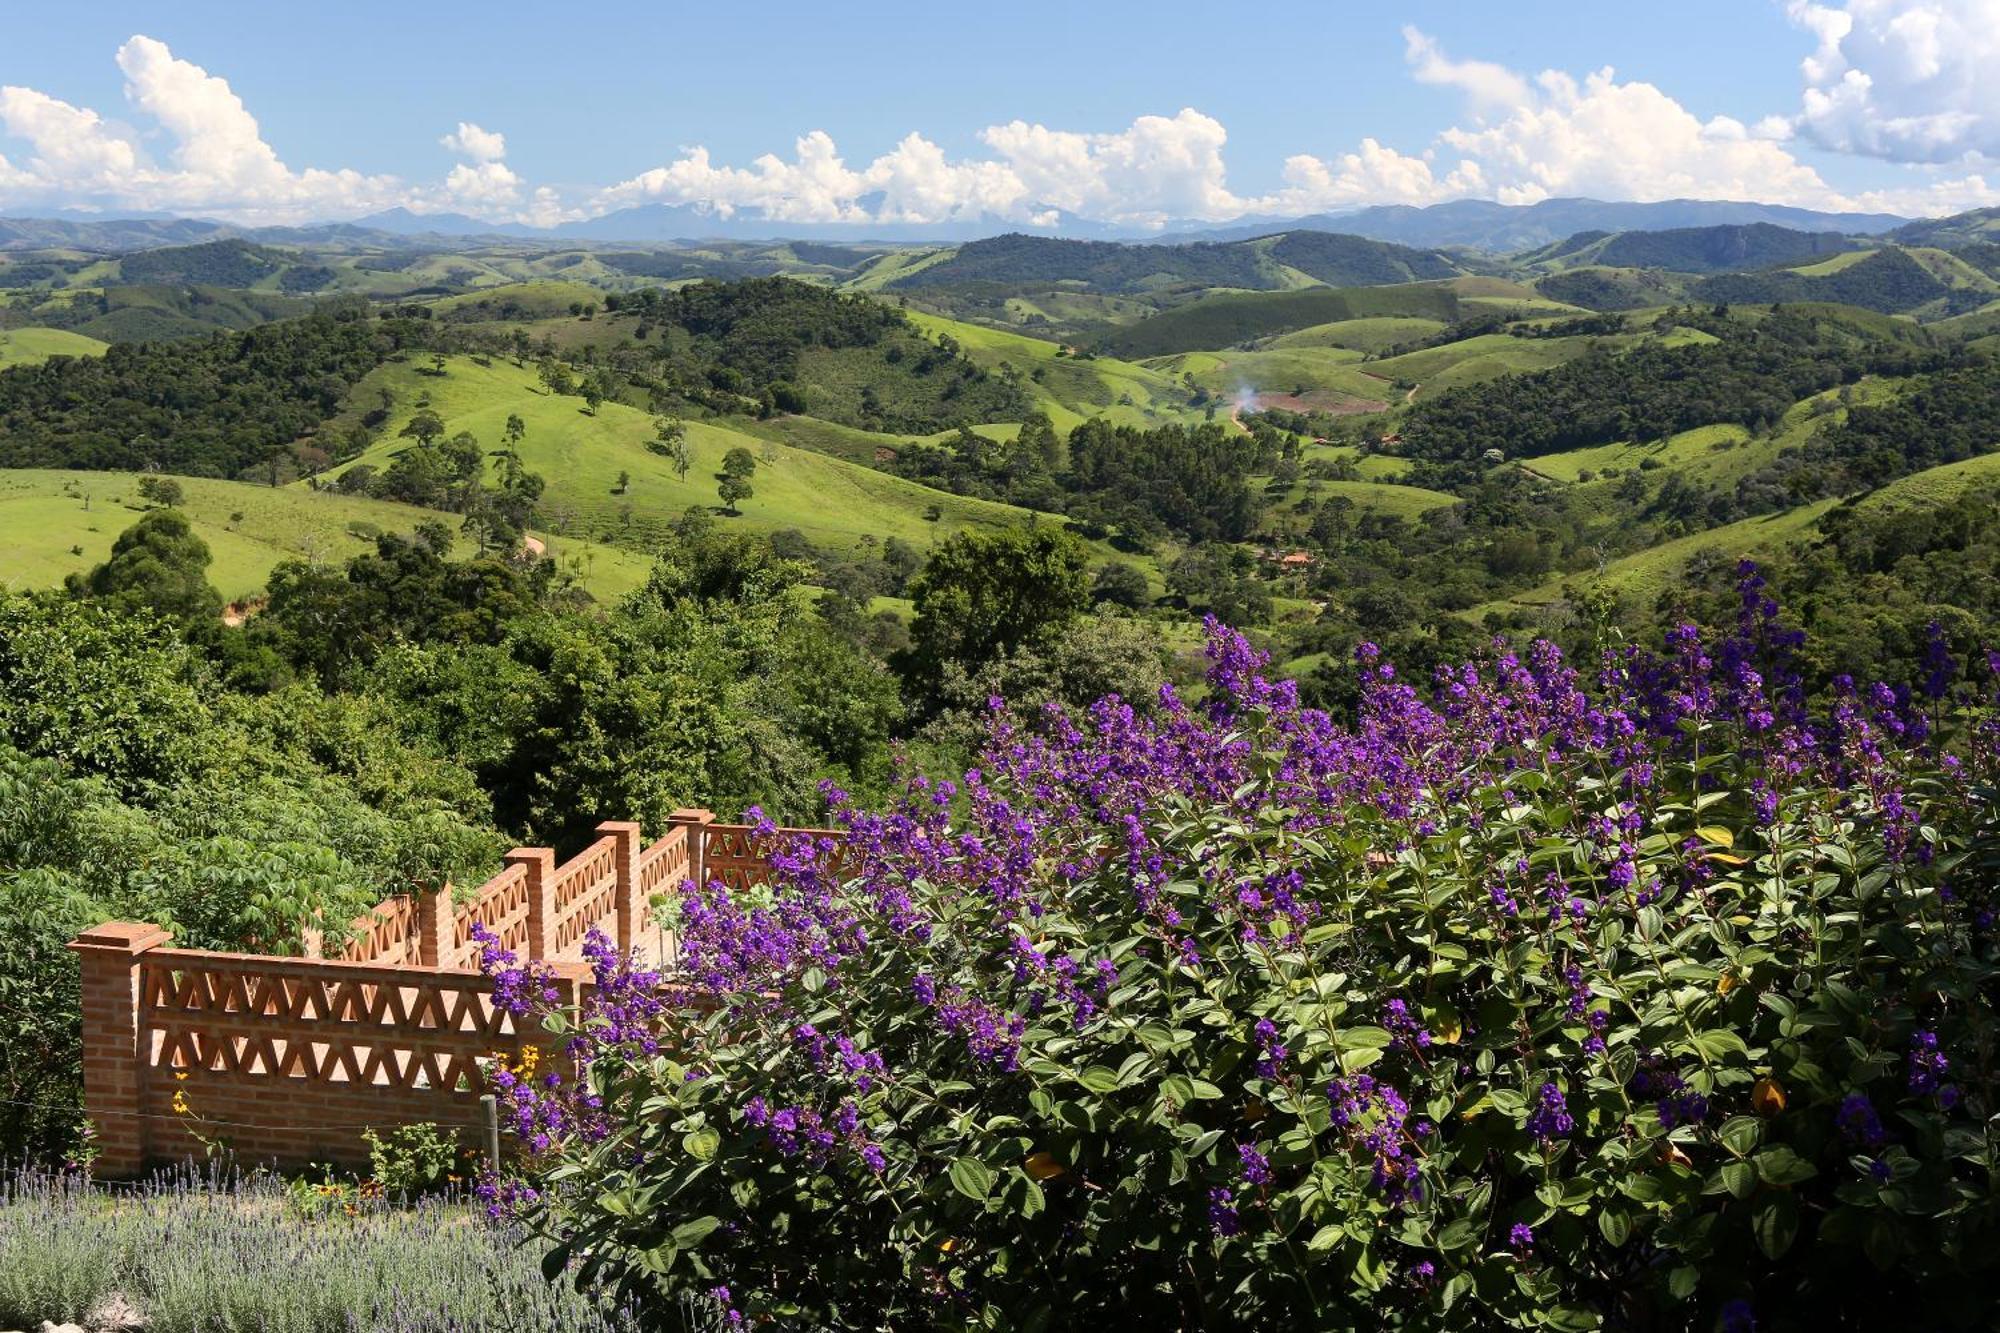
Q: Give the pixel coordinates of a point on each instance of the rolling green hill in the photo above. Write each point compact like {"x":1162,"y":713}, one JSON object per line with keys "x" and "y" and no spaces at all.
{"x":46,"y":515}
{"x":1275,"y":262}
{"x":1228,"y":319}
{"x":1067,"y":388}
{"x":834,"y":503}
{"x":1689,"y":249}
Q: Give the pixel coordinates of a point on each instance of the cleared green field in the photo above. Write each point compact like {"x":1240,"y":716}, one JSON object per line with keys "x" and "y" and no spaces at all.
{"x":1069,"y":389}
{"x":46,"y":513}
{"x":1374,"y":334}
{"x":1687,"y":450}
{"x":1298,"y":377}
{"x":833,"y":502}
{"x":1718,"y":455}
{"x":1645,"y":575}
{"x":1381,"y":497}
{"x":31,"y":347}
{"x":1936,"y":485}
{"x":1484,"y":357}
{"x":1834,"y":263}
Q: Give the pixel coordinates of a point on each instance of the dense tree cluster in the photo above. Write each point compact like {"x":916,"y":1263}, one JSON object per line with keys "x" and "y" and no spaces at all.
{"x":1750,"y":375}
{"x":214,"y":407}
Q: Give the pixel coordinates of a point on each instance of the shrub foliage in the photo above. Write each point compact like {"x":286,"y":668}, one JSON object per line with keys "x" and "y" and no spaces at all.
{"x":1529,"y":1000}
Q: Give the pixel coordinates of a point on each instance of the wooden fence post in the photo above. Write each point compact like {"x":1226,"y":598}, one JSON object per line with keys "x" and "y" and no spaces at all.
{"x":624,"y":835}
{"x":115,"y":1042}
{"x":540,"y":864}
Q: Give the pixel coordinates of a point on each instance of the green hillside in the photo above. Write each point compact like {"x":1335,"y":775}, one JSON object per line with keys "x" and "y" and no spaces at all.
{"x":580,"y":455}
{"x":1067,"y":388}
{"x":1274,"y":262}
{"x":28,"y":347}
{"x":1227,"y":319}
{"x":45,"y":514}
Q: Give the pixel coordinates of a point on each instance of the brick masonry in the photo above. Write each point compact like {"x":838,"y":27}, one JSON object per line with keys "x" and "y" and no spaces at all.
{"x":284,"y":1061}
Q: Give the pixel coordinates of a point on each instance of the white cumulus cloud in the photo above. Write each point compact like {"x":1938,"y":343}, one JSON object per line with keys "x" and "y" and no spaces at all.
{"x":1903,"y":80}
{"x":478,"y":144}
{"x":214,"y":160}
{"x":1553,"y":135}
{"x":1157,"y":168}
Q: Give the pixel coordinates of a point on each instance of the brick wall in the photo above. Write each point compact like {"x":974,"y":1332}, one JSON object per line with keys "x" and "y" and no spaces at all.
{"x":286,"y":1060}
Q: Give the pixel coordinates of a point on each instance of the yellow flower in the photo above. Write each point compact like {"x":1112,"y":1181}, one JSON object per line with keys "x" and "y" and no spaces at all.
{"x":1767,"y":1097}
{"x":1043,"y":1166}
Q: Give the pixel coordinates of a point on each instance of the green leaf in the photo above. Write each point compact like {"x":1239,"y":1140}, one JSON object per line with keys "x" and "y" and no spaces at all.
{"x":701,"y":1143}
{"x":1373,"y":1038}
{"x":1573,"y":1319}
{"x":1739,"y":1178}
{"x":1682,"y":1282}
{"x":1615,"y":1224}
{"x":1099,"y":1079}
{"x":690,"y":1234}
{"x":1458,"y":1235}
{"x":1775,"y":1224}
{"x":1719,"y":1042}
{"x":972,"y":1178}
{"x":1779,"y":1165}
{"x":1742,"y":1133}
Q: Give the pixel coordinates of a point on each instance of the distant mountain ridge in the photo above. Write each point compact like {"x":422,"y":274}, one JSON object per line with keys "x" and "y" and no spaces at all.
{"x":1266,"y":263}
{"x":1715,"y":249}
{"x":1479,"y":224}
{"x":1466,"y":223}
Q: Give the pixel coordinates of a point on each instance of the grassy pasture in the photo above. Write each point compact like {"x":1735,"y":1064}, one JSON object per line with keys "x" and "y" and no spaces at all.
{"x":30,"y":347}
{"x":46,"y":512}
{"x":833,"y":502}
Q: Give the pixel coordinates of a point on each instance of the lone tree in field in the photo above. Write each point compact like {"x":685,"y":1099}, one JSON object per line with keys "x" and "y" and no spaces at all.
{"x":160,"y":490}
{"x":159,"y":564}
{"x":424,"y":427}
{"x":515,"y":431}
{"x":739,"y":463}
{"x":670,"y":441}
{"x":732,"y":489}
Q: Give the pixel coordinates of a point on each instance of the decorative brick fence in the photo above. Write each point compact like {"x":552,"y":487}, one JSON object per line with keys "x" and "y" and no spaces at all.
{"x":286,"y":1060}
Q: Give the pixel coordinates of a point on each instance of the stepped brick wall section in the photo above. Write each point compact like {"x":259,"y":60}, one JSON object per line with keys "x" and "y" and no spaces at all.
{"x":286,"y":1060}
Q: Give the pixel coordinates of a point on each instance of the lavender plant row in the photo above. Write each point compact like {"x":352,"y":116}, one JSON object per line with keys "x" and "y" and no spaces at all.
{"x":1649,"y":996}
{"x":215,"y":1253}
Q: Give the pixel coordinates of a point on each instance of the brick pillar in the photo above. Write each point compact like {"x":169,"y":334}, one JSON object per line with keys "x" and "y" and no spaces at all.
{"x":696,"y":823}
{"x":624,"y":835}
{"x":540,"y":863}
{"x":115,"y":1042}
{"x":435,"y":945}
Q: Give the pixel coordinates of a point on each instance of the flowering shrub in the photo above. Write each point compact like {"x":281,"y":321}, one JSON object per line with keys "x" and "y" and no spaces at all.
{"x":1659,"y":1000}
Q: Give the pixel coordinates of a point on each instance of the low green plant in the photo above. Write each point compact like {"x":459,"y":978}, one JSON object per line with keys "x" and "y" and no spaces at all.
{"x":408,"y":1160}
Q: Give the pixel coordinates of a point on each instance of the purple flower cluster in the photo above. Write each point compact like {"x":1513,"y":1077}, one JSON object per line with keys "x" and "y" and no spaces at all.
{"x":1676,"y":1103}
{"x":1549,"y":1118}
{"x":1858,"y":1122}
{"x":1271,"y":1053}
{"x":1404,"y":1027}
{"x":1928,"y":1065}
{"x":1372,"y":1116}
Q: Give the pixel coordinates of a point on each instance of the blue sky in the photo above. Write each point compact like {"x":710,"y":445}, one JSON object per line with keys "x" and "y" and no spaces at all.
{"x":1132,"y":112}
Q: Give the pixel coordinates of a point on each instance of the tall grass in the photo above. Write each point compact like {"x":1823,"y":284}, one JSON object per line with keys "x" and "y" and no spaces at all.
{"x":217,"y":1253}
